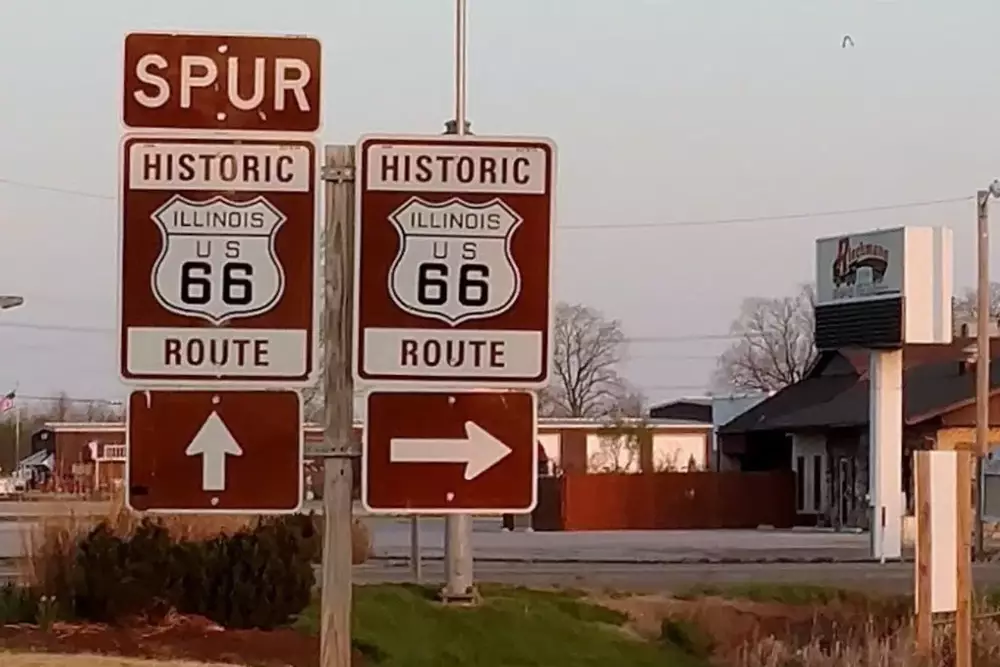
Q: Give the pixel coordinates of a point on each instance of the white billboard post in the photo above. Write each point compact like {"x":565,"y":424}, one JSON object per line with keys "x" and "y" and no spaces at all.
{"x":879,"y":290}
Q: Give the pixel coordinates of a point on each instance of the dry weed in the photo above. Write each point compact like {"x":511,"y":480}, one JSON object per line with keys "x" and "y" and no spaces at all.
{"x":872,"y":649}
{"x":49,"y":545}
{"x":39,"y":660}
{"x":362,"y":547}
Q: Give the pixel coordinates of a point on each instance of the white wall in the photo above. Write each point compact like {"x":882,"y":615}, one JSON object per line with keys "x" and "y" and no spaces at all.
{"x":551,"y":444}
{"x":809,"y":447}
{"x":675,"y":452}
{"x":670,"y":451}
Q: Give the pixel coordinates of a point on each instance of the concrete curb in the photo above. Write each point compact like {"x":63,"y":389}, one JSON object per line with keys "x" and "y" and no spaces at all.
{"x":402,"y":561}
{"x":397,"y":561}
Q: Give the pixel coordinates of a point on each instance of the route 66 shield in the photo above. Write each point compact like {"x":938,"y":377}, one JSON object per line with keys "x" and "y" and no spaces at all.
{"x":217,"y":260}
{"x":454,"y":260}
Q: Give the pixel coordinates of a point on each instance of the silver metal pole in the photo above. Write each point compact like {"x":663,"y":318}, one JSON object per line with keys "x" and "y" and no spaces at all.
{"x":458,"y":527}
{"x":416,"y":565}
{"x":461,"y":14}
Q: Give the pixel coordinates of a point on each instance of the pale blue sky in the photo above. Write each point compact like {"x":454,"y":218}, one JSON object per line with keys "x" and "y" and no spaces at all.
{"x":663,"y":110}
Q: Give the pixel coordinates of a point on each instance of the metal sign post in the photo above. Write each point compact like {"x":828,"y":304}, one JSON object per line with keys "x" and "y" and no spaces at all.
{"x":338,"y":421}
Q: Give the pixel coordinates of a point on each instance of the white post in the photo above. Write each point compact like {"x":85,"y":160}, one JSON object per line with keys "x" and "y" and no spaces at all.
{"x":17,"y":434}
{"x":885,"y":442}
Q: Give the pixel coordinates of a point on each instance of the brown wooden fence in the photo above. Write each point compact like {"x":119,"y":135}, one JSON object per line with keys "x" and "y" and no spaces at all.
{"x":666,"y":501}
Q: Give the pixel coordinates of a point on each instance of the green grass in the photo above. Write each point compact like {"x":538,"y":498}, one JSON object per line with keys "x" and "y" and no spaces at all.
{"x":805,"y":595}
{"x":790,"y":594}
{"x":404,"y":626}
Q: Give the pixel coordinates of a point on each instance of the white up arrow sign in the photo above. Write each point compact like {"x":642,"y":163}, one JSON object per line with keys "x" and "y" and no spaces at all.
{"x":213,"y":443}
{"x":478,"y":450}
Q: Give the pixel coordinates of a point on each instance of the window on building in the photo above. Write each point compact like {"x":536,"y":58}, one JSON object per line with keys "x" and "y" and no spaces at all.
{"x":800,"y":483}
{"x":818,"y":475}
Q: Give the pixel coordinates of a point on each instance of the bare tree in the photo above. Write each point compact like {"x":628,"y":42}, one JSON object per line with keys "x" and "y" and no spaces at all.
{"x":64,"y":408}
{"x":61,"y":408}
{"x":619,"y":444}
{"x":965,"y":308}
{"x":665,"y":462}
{"x":630,"y":403}
{"x":19,"y":425}
{"x":587,"y":349}
{"x":774,"y":345}
{"x":103,"y":411}
{"x":312,"y":402}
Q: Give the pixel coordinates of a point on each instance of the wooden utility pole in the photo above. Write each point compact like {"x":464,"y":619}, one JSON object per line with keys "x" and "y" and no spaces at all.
{"x":338,"y":386}
{"x":983,"y":355}
{"x":922,"y":563}
{"x":963,"y":585}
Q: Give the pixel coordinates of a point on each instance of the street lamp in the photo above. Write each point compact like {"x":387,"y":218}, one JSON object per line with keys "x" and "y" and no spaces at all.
{"x":9,"y":301}
{"x":451,"y":127}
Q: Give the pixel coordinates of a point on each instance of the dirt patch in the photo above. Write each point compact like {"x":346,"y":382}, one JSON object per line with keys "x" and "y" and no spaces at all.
{"x":731,"y":624}
{"x":37,"y":660}
{"x":177,"y":638}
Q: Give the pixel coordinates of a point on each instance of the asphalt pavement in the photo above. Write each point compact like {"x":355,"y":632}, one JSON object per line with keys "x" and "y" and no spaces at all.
{"x":392,"y":539}
{"x":625,"y":560}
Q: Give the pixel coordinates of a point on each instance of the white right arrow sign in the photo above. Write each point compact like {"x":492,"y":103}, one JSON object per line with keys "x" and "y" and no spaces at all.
{"x":213,"y":443}
{"x":479,"y":450}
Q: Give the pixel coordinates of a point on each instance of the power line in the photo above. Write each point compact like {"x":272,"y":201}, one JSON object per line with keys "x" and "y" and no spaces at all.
{"x":67,"y":399}
{"x":50,"y":345}
{"x":675,"y":387}
{"x":70,"y":328}
{"x":119,"y":403}
{"x":73,"y":328}
{"x":706,"y":222}
{"x":671,"y":357}
{"x":51,"y":188}
{"x":682,"y":338}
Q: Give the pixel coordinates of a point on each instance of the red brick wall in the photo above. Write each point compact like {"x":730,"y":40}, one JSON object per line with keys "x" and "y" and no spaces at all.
{"x":676,"y":501}
{"x":966,"y":416}
{"x":573,"y":451}
{"x":110,"y":474}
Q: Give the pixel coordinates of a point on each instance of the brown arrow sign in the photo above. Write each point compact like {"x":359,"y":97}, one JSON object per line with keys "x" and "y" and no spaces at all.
{"x":441,"y":452}
{"x":214,"y":451}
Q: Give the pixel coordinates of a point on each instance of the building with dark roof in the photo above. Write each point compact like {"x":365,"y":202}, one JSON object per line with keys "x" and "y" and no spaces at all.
{"x":818,"y":427}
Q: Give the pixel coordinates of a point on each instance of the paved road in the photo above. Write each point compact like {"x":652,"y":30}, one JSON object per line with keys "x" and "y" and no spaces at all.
{"x":625,"y":560}
{"x":891,"y":578}
{"x":391,"y":539}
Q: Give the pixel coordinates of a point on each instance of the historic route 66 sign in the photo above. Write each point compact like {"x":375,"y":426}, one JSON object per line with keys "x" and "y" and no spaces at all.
{"x":218,"y":250}
{"x":453,"y":251}
{"x":218,"y":259}
{"x":454,"y":260}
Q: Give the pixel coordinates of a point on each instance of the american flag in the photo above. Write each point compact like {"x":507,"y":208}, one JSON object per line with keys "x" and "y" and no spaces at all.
{"x":7,"y":402}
